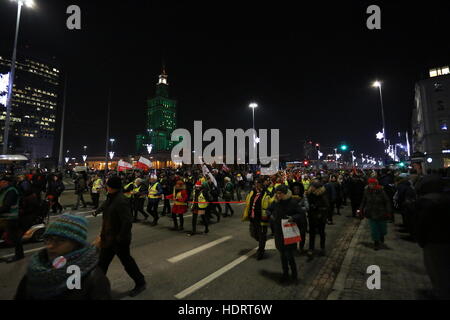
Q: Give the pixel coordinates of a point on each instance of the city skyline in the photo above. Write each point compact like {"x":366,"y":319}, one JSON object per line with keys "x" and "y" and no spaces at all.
{"x":308,"y":80}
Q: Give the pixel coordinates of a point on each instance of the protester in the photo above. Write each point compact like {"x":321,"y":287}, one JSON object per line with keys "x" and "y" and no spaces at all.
{"x":179,"y":208}
{"x":115,"y":236}
{"x":319,"y":208}
{"x":65,"y":240}
{"x":284,"y":207}
{"x":376,"y":206}
{"x":257,"y":203}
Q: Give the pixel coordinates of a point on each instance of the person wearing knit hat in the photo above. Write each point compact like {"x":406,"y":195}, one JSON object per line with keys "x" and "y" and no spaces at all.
{"x":376,"y":207}
{"x":47,"y":275}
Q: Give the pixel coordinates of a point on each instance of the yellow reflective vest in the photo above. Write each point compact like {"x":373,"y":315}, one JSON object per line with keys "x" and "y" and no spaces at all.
{"x":201,"y":198}
{"x":137,"y":190}
{"x":265,"y":203}
{"x":152,"y":191}
{"x":128,"y":194}
{"x":97,"y":185}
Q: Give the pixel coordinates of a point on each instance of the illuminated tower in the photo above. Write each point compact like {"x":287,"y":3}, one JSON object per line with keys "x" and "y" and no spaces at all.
{"x":161,"y":119}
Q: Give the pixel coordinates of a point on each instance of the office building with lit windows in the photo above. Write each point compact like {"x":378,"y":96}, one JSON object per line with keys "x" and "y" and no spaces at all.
{"x":431,"y":119}
{"x":161,"y":121}
{"x":34,"y":107}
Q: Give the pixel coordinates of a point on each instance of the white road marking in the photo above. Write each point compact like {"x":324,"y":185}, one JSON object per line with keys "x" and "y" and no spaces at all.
{"x":28,"y":251}
{"x":214,"y":275}
{"x":192,"y":252}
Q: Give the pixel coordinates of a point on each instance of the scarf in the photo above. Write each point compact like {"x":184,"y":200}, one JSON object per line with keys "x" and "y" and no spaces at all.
{"x":46,"y":282}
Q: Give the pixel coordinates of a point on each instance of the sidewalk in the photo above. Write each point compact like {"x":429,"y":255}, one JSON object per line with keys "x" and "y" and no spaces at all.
{"x":403,"y":275}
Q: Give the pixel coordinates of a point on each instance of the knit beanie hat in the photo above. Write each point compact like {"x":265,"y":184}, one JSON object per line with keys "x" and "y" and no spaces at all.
{"x":114,"y":182}
{"x":372,"y":180}
{"x":69,"y":227}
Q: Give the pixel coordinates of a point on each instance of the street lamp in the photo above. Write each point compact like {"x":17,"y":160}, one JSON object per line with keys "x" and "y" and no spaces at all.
{"x":20,"y":3}
{"x":254,"y":105}
{"x":377,"y":84}
{"x":84,"y":155}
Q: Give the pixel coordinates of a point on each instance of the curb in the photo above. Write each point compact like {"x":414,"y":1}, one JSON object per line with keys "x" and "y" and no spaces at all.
{"x":339,"y":284}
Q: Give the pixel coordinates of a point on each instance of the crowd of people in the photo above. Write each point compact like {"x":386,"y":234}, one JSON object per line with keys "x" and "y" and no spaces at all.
{"x":309,"y":198}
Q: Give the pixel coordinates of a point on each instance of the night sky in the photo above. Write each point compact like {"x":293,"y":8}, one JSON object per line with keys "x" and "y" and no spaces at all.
{"x":309,"y":67}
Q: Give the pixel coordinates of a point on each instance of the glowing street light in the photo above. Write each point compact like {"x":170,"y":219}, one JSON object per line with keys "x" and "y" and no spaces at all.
{"x":253,"y":106}
{"x":377,"y":84}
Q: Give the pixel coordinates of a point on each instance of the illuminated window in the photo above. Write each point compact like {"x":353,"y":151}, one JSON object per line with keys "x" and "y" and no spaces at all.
{"x":433,"y":73}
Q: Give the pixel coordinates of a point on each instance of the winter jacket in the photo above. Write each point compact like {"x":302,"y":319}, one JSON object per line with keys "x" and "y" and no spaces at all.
{"x":179,"y":196}
{"x":319,"y":206}
{"x":55,"y":188}
{"x":286,"y":208}
{"x":432,"y":219}
{"x":302,"y":221}
{"x":80,"y":185}
{"x":376,"y":204}
{"x":356,"y":189}
{"x":261,"y":214}
{"x":117,"y":221}
{"x":94,"y":286}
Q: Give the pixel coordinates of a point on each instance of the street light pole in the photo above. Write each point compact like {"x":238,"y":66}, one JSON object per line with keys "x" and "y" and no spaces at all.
{"x":377,"y":84}
{"x":61,"y":139}
{"x":107,"y":131}
{"x":11,"y":81}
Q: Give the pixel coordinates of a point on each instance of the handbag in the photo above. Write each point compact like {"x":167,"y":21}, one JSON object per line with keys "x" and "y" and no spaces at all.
{"x":291,"y":233}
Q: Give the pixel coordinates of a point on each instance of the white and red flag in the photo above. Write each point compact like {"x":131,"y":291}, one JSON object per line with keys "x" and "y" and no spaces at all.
{"x":143,"y":163}
{"x":124,"y":165}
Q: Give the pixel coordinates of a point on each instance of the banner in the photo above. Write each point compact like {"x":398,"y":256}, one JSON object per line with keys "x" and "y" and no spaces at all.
{"x":143,"y":163}
{"x":124,"y":165}
{"x":207,"y":173}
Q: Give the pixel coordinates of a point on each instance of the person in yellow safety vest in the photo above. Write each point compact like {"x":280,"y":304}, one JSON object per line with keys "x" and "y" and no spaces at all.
{"x":97,"y":187}
{"x":155,"y":192}
{"x":128,"y":193}
{"x":306,"y":183}
{"x":139,"y":195}
{"x":199,"y":205}
{"x":257,"y":202}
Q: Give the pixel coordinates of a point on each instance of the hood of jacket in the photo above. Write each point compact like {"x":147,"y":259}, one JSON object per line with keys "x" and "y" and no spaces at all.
{"x":286,"y":196}
{"x":318,"y":192}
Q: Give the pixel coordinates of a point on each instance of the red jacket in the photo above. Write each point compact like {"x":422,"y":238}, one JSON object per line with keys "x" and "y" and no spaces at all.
{"x":182,"y":196}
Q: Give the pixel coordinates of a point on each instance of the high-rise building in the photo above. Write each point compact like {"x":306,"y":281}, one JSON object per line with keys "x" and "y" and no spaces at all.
{"x":33,"y":109}
{"x":431,"y":119}
{"x":161,"y":120}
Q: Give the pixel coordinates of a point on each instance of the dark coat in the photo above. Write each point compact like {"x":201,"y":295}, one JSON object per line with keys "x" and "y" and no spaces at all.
{"x":94,"y":286}
{"x":287,"y":208}
{"x":117,"y":221}
{"x":376,"y":204}
{"x":356,"y":189}
{"x":55,"y":188}
{"x":432,"y":219}
{"x":319,"y":206}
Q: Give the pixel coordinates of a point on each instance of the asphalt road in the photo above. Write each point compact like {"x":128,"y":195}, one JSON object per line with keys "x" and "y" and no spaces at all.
{"x":219,"y":265}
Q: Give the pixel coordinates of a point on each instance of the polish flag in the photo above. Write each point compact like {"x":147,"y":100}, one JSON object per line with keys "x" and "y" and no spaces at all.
{"x":124,"y":165}
{"x":143,"y":163}
{"x":225,"y":168}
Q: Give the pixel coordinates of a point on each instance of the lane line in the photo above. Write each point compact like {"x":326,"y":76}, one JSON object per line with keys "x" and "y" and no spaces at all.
{"x":194,"y":251}
{"x":27,"y":251}
{"x":200,"y":284}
